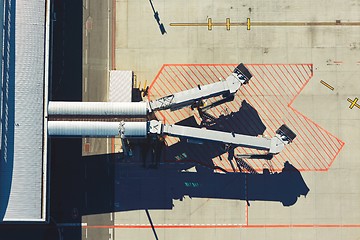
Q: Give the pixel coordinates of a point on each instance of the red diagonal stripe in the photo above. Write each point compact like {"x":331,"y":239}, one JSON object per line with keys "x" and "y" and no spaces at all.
{"x":271,"y":92}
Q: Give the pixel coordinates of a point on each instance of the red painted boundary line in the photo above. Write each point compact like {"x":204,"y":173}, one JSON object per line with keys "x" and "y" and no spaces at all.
{"x":113,"y":42}
{"x":303,"y":86}
{"x":246,"y":211}
{"x":155,"y":79}
{"x":112,"y":145}
{"x":212,"y":226}
{"x":232,"y":64}
{"x":342,"y":143}
{"x":113,"y":48}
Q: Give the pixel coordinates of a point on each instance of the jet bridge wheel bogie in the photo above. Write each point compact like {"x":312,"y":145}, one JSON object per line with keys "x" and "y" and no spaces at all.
{"x":243,"y":70}
{"x":285,"y":130}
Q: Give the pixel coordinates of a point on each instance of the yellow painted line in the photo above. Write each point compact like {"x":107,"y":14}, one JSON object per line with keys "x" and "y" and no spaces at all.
{"x":303,"y":24}
{"x":190,"y":24}
{"x":353,"y":103}
{"x":327,"y":85}
{"x":228,"y":24}
{"x":209,"y":24}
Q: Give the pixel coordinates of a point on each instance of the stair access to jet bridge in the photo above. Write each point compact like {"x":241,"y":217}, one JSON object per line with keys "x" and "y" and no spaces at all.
{"x":61,"y":112}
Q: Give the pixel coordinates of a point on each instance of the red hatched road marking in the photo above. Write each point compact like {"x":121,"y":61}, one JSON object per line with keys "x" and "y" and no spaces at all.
{"x":271,"y":92}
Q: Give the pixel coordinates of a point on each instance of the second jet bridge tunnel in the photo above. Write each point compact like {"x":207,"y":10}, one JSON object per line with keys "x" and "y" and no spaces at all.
{"x":142,"y":129}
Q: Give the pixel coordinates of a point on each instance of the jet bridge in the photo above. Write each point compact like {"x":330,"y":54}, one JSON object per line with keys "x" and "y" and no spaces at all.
{"x":274,"y":145}
{"x":226,"y":88}
{"x":142,"y":129}
{"x":194,"y":96}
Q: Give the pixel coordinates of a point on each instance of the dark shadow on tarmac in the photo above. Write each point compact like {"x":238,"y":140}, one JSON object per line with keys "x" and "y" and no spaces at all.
{"x":139,"y":188}
{"x":132,"y":183}
{"x":157,"y":19}
{"x":111,"y":183}
{"x":245,"y":121}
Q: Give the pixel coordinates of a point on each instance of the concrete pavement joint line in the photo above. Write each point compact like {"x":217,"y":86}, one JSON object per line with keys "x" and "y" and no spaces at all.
{"x":327,"y":85}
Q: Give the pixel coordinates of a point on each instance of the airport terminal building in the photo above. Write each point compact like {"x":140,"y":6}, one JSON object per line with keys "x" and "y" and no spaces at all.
{"x":24,"y":96}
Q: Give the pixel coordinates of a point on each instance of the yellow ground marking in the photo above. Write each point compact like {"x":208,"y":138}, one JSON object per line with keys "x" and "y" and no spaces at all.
{"x":209,"y":24}
{"x":327,"y":85}
{"x":228,"y":24}
{"x":353,"y":103}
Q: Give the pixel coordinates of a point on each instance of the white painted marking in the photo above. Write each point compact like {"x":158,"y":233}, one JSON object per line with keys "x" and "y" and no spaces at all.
{"x":107,"y":145}
{"x":86,"y":4}
{"x":111,"y":216}
{"x":110,"y":233}
{"x":85,"y":84}
{"x":86,"y":232}
{"x":86,"y":56}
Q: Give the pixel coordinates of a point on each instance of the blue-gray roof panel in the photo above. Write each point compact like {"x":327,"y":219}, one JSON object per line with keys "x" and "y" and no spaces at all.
{"x":27,"y":175}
